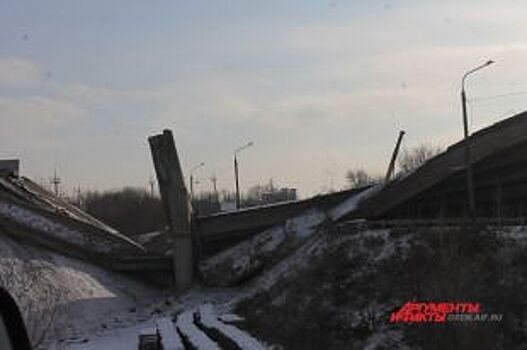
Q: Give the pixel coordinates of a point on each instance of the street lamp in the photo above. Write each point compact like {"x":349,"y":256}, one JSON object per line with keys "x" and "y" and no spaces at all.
{"x":239,"y":149}
{"x":468,"y":161}
{"x":192,"y":179}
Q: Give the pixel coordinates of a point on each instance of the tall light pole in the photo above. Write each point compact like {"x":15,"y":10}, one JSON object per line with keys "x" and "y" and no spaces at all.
{"x":239,"y":149}
{"x":468,"y":161}
{"x":192,"y":179}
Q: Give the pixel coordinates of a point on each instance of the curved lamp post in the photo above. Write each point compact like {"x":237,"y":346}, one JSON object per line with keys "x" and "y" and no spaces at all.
{"x":468,"y":161}
{"x":238,"y":150}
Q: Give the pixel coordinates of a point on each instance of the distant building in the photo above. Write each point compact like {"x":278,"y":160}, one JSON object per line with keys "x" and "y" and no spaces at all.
{"x":282,"y":195}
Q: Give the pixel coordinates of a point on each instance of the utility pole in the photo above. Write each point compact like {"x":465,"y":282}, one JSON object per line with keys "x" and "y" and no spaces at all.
{"x":468,"y":160}
{"x":55,"y":181}
{"x":79,"y":196}
{"x":391,"y":167}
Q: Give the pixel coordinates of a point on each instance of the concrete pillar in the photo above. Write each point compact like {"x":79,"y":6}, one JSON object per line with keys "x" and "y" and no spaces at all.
{"x":176,"y":203}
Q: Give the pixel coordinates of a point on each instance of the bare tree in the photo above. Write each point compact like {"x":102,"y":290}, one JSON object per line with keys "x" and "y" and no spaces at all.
{"x":417,"y":156}
{"x":38,"y":297}
{"x":358,"y":178}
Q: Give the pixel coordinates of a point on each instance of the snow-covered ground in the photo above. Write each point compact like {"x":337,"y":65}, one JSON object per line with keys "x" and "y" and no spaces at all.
{"x":99,"y":309}
{"x":377,"y":247}
{"x":125,"y":337}
{"x":105,"y":310}
{"x":90,"y":299}
{"x":265,"y":249}
{"x":300,"y":229}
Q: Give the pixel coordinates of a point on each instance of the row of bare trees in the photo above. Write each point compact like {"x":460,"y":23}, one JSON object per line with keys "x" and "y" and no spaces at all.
{"x":130,"y":210}
{"x":134,"y":211}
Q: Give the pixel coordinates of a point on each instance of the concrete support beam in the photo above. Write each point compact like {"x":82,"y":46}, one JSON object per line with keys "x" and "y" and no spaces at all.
{"x":176,"y":203}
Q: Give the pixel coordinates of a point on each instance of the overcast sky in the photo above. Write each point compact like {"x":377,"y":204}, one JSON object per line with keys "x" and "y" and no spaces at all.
{"x":319,"y":86}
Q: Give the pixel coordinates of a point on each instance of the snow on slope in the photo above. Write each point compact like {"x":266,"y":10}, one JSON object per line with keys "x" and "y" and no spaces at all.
{"x":225,"y":300}
{"x":87,"y":298}
{"x":238,"y":262}
{"x":311,"y":285}
{"x":107,"y":311}
{"x":352,"y":203}
{"x":38,"y":222}
{"x":241,"y":261}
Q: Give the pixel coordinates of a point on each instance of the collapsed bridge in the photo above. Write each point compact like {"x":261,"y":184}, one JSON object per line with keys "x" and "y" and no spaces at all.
{"x":436,"y":192}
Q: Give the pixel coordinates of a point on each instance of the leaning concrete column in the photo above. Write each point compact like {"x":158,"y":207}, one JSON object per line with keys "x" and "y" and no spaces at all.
{"x":176,"y":203}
